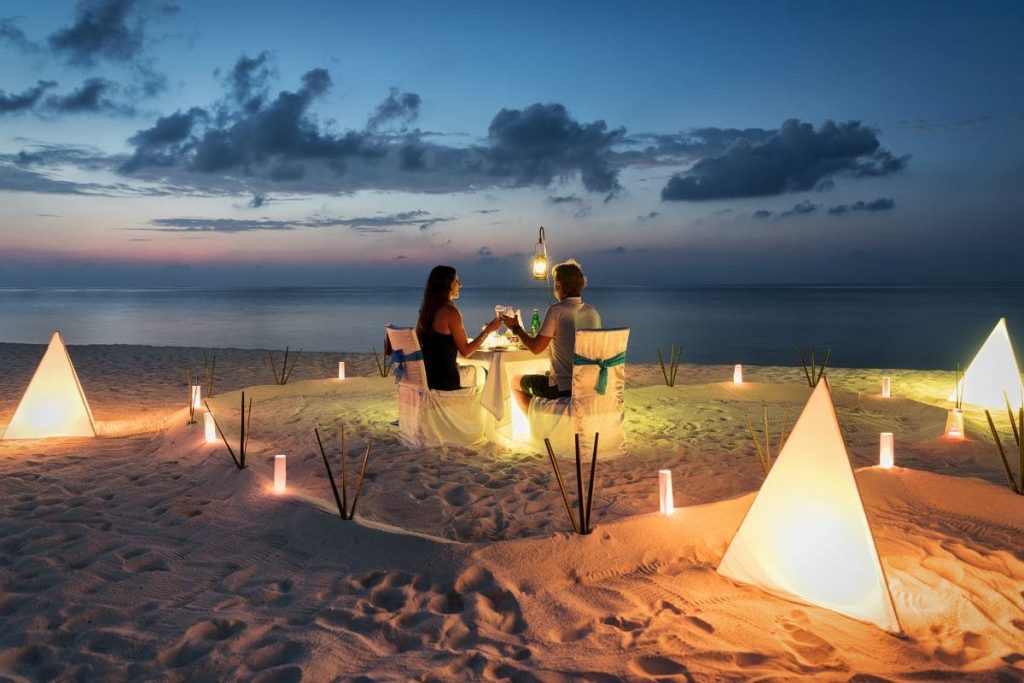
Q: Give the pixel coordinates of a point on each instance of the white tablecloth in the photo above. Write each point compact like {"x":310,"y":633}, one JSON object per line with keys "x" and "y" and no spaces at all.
{"x":502,"y":366}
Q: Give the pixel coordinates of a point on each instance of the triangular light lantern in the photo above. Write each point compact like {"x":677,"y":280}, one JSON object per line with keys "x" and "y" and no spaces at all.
{"x":806,"y":536}
{"x":54,"y":403}
{"x":993,"y":371}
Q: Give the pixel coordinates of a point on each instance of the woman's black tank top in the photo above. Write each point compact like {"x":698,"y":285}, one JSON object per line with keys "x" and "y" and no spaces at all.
{"x":439,"y":354}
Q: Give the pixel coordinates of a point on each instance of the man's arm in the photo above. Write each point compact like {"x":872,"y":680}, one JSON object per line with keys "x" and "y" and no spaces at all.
{"x":534,"y":344}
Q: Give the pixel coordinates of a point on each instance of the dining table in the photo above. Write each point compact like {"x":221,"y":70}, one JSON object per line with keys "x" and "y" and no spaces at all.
{"x":509,"y":425}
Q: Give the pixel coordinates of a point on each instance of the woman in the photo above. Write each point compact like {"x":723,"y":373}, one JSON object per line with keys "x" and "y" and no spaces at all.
{"x":441,"y":331}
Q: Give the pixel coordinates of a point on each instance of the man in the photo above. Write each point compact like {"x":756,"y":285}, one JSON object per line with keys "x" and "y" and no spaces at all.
{"x":560,"y":325}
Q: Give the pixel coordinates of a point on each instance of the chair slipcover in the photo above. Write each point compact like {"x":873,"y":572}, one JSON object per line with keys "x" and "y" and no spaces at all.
{"x":587,"y":411}
{"x":427,"y":417}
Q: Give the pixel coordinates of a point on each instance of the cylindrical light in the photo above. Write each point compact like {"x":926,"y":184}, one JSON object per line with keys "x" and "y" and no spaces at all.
{"x":955,"y":424}
{"x":197,"y":396}
{"x":886,"y":454}
{"x":341,"y":369}
{"x":211,"y":428}
{"x":737,"y":374}
{"x":280,"y":473}
{"x":886,"y":391}
{"x":665,"y":492}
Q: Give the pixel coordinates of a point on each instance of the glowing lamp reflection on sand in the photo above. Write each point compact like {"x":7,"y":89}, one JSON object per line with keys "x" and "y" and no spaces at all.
{"x":886,"y":454}
{"x":737,"y":374}
{"x":210,"y":427}
{"x":280,"y":473}
{"x":667,"y":505}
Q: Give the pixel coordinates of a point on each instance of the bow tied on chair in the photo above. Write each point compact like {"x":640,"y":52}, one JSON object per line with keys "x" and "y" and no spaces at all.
{"x":604,"y":364}
{"x":398,"y":359}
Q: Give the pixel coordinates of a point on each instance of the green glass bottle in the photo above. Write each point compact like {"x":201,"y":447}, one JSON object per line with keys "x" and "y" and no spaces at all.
{"x":535,"y":323}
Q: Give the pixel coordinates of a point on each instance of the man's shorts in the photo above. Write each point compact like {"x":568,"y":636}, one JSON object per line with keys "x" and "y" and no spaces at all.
{"x":539,"y":386}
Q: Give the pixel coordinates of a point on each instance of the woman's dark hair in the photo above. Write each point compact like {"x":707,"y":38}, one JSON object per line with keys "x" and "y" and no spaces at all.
{"x":436,"y":295}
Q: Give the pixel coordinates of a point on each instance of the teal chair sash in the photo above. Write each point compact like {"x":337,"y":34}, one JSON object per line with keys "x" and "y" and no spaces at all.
{"x":604,"y":364}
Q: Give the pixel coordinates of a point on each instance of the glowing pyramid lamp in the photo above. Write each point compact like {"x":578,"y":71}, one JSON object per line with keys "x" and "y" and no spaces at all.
{"x":806,"y":536}
{"x":54,"y":403}
{"x":993,"y":371}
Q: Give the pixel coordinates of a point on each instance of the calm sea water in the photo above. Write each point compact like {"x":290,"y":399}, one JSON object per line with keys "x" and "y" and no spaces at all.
{"x":884,"y":327}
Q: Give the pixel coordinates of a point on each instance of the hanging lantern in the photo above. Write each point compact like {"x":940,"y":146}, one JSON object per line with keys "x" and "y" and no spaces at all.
{"x":665,"y":492}
{"x":540,"y":257}
{"x":280,"y":473}
{"x":886,"y":453}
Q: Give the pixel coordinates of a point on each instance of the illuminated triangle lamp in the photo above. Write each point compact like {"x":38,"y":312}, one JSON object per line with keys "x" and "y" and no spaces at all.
{"x":993,"y":371}
{"x":806,"y":536}
{"x":54,"y":403}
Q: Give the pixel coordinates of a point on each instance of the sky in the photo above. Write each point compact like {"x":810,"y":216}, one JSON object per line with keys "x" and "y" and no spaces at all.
{"x":321,"y":143}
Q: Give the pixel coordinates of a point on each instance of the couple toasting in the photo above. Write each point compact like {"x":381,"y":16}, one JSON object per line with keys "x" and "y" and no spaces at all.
{"x":443,"y":335}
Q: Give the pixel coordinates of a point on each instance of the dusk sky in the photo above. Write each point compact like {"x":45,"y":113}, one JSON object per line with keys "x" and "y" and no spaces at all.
{"x":159,"y":143}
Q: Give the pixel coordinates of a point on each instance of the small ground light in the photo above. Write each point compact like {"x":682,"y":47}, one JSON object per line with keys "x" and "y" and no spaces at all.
{"x":210,"y":427}
{"x":280,"y":473}
{"x":886,"y":390}
{"x":955,"y":424}
{"x":341,"y":369}
{"x":737,"y":374}
{"x":886,"y":455}
{"x":665,"y":492}
{"x":197,"y":395}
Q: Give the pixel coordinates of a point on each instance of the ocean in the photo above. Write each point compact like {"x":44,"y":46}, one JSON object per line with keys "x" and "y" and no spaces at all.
{"x":864,"y":326}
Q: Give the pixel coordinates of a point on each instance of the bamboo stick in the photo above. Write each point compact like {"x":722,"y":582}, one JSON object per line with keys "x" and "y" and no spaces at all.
{"x":330,"y":475}
{"x":590,"y":486}
{"x":561,"y":485}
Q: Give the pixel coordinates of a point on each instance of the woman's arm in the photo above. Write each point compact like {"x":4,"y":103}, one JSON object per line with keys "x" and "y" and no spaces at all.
{"x":453,"y":317}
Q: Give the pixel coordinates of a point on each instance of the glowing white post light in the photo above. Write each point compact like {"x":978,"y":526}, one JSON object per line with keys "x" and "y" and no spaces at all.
{"x":280,"y":473}
{"x":886,"y":455}
{"x":210,"y":427}
{"x":737,"y":374}
{"x":886,"y":388}
{"x":955,"y":424}
{"x":665,"y":492}
{"x":341,"y":369}
{"x":197,"y":396}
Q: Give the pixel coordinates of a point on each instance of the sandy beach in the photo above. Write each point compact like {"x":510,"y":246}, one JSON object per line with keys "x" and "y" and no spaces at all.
{"x":145,"y":554}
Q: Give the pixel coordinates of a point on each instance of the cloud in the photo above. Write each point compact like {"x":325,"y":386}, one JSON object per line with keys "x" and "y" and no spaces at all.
{"x":880,"y":204}
{"x":401,"y":107}
{"x":26,"y":100}
{"x":258,"y":200}
{"x":249,"y":80}
{"x":107,"y":29}
{"x":485,"y":251}
{"x":542,"y":143}
{"x":647,"y":217}
{"x":10,"y":33}
{"x":91,"y":97}
{"x":802,"y":209}
{"x":363,"y":224}
{"x":794,"y":158}
{"x":567,"y":199}
{"x":762,"y":214}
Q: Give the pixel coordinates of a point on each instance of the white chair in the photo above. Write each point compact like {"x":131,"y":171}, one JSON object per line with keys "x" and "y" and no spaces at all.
{"x":427,"y":417}
{"x":589,"y":410}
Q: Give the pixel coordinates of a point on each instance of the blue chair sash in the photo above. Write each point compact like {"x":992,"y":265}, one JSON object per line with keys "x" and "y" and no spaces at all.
{"x":604,"y":364}
{"x":398,"y":359}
